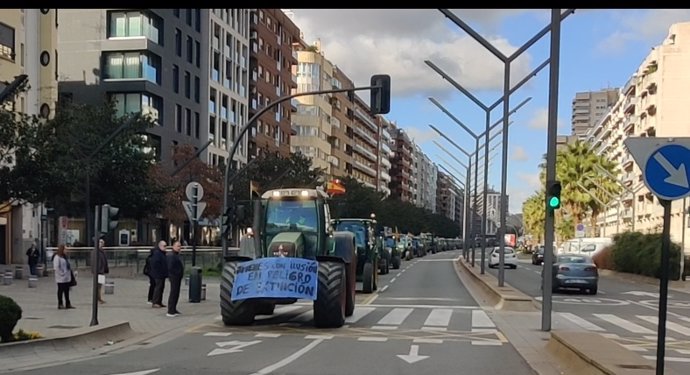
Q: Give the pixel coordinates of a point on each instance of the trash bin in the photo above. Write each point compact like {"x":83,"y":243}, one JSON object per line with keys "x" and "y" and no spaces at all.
{"x":18,"y":272}
{"x":7,"y":277}
{"x":195,"y":285}
{"x":39,"y":270}
{"x":203,"y":292}
{"x":109,"y":287}
{"x":33,"y":281}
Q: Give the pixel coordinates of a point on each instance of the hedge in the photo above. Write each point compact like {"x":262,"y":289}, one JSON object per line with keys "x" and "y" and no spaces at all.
{"x":638,"y":253}
{"x":10,"y":313}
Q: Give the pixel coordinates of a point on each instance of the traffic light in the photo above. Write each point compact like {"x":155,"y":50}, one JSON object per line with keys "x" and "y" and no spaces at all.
{"x":108,"y":218}
{"x":227,"y":220}
{"x":553,"y":195}
{"x":380,"y":101}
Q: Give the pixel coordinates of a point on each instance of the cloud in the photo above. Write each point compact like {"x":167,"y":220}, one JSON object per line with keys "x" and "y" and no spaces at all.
{"x":540,"y":120}
{"x":646,"y":26}
{"x":521,"y":189}
{"x":519,"y":154}
{"x":398,"y":41}
{"x":420,"y":136}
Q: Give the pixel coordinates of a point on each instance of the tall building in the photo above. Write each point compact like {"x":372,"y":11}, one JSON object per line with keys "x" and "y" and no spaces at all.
{"x":402,"y":170}
{"x":28,"y":45}
{"x":446,"y":196}
{"x":493,"y":210}
{"x":365,"y":156}
{"x":342,"y":133}
{"x":188,"y":68}
{"x":271,"y":62}
{"x":427,"y":174}
{"x":651,"y":104}
{"x":385,"y":155}
{"x":589,"y":107}
{"x":312,"y":121}
{"x":562,"y":141}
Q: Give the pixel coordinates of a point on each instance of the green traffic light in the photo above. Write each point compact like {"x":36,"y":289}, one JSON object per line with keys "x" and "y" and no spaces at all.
{"x":554,"y":202}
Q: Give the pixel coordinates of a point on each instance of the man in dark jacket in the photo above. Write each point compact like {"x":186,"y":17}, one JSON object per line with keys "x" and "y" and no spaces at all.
{"x":159,"y":272}
{"x":175,"y":274}
{"x":102,"y":269}
{"x":33,"y":254}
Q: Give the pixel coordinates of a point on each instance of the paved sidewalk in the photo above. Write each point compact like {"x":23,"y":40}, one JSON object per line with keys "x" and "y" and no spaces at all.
{"x":128,"y":303}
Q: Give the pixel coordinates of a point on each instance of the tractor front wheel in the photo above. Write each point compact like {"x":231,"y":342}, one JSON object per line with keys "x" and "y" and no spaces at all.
{"x":329,"y":306}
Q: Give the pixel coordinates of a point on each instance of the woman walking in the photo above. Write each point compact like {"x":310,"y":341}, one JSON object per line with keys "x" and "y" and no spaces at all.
{"x":63,"y":277}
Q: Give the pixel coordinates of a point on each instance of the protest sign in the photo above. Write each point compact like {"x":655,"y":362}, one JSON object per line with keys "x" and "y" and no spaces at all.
{"x":276,"y":277}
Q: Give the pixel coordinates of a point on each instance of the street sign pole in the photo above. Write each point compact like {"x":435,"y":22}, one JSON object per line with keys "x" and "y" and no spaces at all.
{"x":663,"y":289}
{"x":195,"y":202}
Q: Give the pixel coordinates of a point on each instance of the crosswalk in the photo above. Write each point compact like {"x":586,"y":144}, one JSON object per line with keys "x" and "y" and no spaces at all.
{"x":638,"y":332}
{"x":430,"y":322}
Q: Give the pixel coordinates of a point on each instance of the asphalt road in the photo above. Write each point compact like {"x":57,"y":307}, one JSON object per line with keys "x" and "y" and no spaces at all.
{"x":423,"y":321}
{"x":625,"y":311}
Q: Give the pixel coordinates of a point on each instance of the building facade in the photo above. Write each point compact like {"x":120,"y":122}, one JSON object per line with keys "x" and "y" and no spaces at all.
{"x":365,"y":145}
{"x":588,"y":109}
{"x":385,"y":155}
{"x":651,"y":104}
{"x":272,"y":59}
{"x":446,"y":196}
{"x":402,"y":169}
{"x":342,"y":126}
{"x":427,"y":175}
{"x":28,"y":45}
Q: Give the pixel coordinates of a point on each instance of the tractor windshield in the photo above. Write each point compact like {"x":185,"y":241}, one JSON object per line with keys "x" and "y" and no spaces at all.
{"x":359,"y":230}
{"x":291,"y":215}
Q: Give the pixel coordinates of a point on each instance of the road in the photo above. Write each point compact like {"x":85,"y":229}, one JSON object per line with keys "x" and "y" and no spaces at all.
{"x":622,"y":310}
{"x":423,"y":321}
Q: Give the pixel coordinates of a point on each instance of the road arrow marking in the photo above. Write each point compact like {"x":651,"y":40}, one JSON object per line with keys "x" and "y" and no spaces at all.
{"x":145,"y":372}
{"x":642,"y":294}
{"x":413,"y":356}
{"x":236,"y":347}
{"x":676,"y":176}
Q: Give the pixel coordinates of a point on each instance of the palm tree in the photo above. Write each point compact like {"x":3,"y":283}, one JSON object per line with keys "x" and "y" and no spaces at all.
{"x":533,"y":215}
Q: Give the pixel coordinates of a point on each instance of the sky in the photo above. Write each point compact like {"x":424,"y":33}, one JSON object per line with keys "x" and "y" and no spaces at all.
{"x":599,"y":49}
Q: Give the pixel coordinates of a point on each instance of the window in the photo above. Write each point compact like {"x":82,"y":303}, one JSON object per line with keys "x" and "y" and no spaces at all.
{"x":198,"y":54}
{"x":197,"y":24}
{"x":188,"y":120}
{"x":132,"y":65}
{"x":190,"y":49}
{"x":197,"y":89}
{"x":189,"y":16}
{"x":178,"y":118}
{"x":187,"y":85}
{"x":178,"y":42}
{"x":197,"y":125}
{"x":176,"y":12}
{"x":7,"y":46}
{"x":176,"y":79}
{"x":147,"y":104}
{"x":135,"y":24}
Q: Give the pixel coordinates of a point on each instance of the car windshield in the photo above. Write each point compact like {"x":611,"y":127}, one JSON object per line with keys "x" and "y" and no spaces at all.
{"x":573,"y":259}
{"x":359,"y":230}
{"x":284,"y":215}
{"x":506,"y":250}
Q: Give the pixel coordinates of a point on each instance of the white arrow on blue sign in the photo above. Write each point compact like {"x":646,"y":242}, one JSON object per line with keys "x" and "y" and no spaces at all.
{"x":663,"y":162}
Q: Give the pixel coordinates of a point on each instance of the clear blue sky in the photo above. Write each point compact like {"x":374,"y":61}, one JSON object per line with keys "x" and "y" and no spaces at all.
{"x":599,"y":49}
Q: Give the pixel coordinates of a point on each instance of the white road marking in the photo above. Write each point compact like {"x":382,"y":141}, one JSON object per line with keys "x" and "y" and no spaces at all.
{"x":668,"y":359}
{"x":374,"y":339}
{"x":434,"y":329}
{"x":439,"y":317}
{"x":427,"y":341}
{"x":457,"y":307}
{"x":480,"y":319}
{"x":383,"y":289}
{"x":396,"y":316}
{"x":318,"y":337}
{"x":683,"y":351}
{"x":581,"y":322}
{"x":145,"y":372}
{"x":266,"y":334}
{"x":669,"y":325}
{"x":384,"y":328}
{"x":635,"y":348}
{"x":289,"y":359}
{"x":630,"y":326}
{"x":218,"y":334}
{"x":360,"y":312}
{"x":393,"y":280}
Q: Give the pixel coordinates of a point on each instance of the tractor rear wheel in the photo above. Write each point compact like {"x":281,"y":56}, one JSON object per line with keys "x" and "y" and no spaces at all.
{"x":329,"y":306}
{"x":395,"y":262}
{"x":368,"y":278}
{"x":233,"y":312}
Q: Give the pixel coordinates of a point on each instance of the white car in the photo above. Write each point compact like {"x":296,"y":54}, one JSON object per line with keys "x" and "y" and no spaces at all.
{"x":510,"y":259}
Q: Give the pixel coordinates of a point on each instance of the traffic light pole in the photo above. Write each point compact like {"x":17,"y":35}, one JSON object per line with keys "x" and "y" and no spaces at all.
{"x":94,"y":268}
{"x":551,"y":136}
{"x":240,"y":135}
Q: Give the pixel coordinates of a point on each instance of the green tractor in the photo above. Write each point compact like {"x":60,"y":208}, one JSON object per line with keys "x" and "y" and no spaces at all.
{"x":292,"y":245}
{"x":367,"y":249}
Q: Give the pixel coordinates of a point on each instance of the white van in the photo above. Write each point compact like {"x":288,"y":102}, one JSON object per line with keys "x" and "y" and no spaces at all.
{"x":585,"y":246}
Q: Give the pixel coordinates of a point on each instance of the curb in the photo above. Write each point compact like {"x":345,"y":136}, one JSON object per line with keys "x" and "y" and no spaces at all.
{"x":94,"y":337}
{"x":507,"y":297}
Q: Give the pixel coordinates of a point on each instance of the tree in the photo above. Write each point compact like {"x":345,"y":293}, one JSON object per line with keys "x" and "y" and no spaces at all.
{"x":210,"y":177}
{"x":16,"y":130}
{"x":51,"y":161}
{"x":534,"y":214}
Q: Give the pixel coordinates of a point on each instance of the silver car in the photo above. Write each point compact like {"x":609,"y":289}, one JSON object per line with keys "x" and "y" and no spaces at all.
{"x":575,"y":271}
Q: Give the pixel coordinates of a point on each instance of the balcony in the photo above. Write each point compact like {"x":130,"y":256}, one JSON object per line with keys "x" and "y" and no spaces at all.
{"x":362,"y":150}
{"x":367,"y":120}
{"x":386,"y":163}
{"x":630,"y":103}
{"x":365,"y":168}
{"x":630,"y":85}
{"x":385,"y":176}
{"x":626,"y":160}
{"x":365,"y":135}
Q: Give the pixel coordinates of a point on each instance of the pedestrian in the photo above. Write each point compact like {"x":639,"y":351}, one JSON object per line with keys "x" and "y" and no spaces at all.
{"x":33,"y":254}
{"x":102,"y":269}
{"x":147,"y":272}
{"x":175,"y":274}
{"x":159,"y":272}
{"x":63,"y":277}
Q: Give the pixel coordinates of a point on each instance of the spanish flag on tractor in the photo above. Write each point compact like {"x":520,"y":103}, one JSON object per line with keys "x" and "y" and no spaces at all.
{"x":334,"y":187}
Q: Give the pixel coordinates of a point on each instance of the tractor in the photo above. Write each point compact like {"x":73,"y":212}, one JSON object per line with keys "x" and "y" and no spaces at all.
{"x":367,"y":249}
{"x":293,"y":223}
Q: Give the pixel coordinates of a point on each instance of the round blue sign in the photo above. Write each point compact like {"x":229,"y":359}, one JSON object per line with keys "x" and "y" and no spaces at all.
{"x":666,"y":173}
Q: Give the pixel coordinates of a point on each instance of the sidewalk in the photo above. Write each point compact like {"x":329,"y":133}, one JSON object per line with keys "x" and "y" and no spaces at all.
{"x":128,"y":303}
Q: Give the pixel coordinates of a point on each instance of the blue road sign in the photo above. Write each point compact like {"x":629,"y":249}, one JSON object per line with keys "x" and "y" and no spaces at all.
{"x":665,"y":172}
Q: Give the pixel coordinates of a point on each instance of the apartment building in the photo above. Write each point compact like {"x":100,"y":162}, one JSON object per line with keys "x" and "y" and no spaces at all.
{"x":271,"y":63}
{"x":28,"y":45}
{"x":385,"y":155}
{"x":588,"y":109}
{"x":342,"y":128}
{"x":651,"y":104}
{"x":460,"y":207}
{"x":427,"y":173}
{"x":402,"y":172}
{"x":493,"y":210}
{"x":562,"y":141}
{"x":365,"y":145}
{"x":312,"y":121}
{"x":446,"y":196}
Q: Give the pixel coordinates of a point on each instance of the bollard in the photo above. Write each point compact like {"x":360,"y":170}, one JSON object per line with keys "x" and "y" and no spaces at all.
{"x":7,"y":277}
{"x":18,"y":272}
{"x":109,"y":287}
{"x":203,"y":292}
{"x":39,"y":270}
{"x":33,"y":281}
{"x":195,"y":285}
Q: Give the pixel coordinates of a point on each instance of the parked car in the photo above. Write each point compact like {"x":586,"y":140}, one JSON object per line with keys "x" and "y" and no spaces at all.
{"x":575,"y":271}
{"x":538,"y":256}
{"x":509,"y":260}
